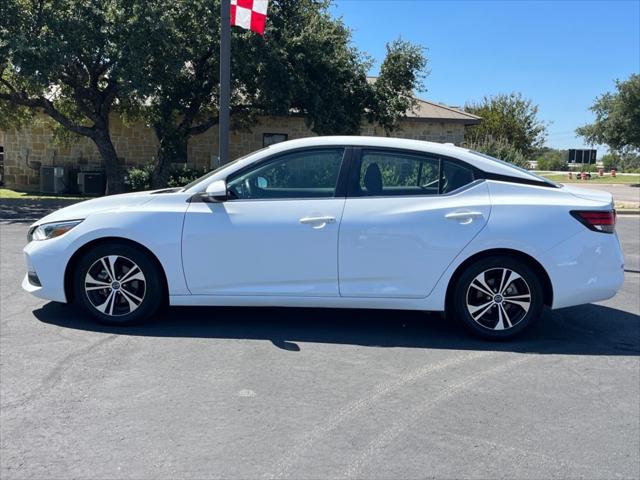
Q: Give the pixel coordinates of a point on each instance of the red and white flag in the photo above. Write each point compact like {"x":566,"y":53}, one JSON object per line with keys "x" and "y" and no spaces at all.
{"x":249,"y":14}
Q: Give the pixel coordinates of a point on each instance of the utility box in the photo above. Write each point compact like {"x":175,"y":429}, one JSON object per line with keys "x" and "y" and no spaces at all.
{"x":53,"y":179}
{"x":91,"y":183}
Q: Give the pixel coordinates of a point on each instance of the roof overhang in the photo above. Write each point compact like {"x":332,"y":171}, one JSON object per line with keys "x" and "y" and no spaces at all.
{"x":463,"y":121}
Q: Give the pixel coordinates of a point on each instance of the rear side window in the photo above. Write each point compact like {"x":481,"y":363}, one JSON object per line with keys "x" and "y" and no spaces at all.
{"x":392,"y":173}
{"x":455,"y":176}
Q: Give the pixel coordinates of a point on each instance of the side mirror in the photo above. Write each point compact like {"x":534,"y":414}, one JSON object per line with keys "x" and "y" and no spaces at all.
{"x":216,"y":191}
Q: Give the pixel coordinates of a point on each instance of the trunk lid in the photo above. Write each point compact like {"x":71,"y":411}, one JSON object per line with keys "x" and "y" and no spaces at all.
{"x":588,"y":194}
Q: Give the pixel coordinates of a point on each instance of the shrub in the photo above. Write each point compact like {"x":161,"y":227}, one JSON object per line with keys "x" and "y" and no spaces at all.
{"x":626,"y":162}
{"x":500,"y":149}
{"x":139,"y":178}
{"x":180,"y":176}
{"x":552,"y":164}
{"x":610,"y":160}
{"x":553,"y":160}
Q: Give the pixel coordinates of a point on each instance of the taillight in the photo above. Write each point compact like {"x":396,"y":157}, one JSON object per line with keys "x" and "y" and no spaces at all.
{"x":597,"y":220}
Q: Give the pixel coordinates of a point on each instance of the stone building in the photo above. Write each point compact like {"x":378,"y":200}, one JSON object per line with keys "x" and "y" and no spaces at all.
{"x":23,"y":152}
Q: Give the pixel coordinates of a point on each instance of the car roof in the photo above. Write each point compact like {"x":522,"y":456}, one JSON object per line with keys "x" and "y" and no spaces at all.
{"x":484,"y":163}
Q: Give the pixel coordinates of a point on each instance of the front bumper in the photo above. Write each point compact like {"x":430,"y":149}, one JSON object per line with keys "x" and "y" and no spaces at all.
{"x":48,"y":260}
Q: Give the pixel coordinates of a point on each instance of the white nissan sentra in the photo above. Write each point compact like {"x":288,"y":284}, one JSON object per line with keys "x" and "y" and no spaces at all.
{"x":344,"y":222}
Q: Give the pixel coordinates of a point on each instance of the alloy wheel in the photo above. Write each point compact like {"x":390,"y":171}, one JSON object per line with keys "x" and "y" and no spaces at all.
{"x":115,"y":285}
{"x":498,"y":299}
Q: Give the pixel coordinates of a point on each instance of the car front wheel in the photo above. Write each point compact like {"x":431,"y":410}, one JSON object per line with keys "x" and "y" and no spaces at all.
{"x":497,"y":297}
{"x":118,"y":283}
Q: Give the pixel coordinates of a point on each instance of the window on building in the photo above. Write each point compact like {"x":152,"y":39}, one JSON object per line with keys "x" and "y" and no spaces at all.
{"x":273,"y":138}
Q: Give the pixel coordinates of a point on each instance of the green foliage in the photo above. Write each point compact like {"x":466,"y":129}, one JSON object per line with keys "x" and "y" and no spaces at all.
{"x":158,"y":61}
{"x":628,"y":162}
{"x":304,"y":65}
{"x":508,"y":119}
{"x":71,"y":59}
{"x":500,"y":149}
{"x":552,"y":160}
{"x":182,"y":175}
{"x":14,"y":116}
{"x":589,"y":167}
{"x":610,"y":160}
{"x":617,"y":121}
{"x":401,"y":73}
{"x":139,"y":178}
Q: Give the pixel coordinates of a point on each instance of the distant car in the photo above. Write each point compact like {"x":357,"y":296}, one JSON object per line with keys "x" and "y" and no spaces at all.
{"x":345,"y":222}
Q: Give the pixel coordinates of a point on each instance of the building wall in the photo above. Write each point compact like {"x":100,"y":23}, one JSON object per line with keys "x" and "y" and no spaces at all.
{"x":25,"y":150}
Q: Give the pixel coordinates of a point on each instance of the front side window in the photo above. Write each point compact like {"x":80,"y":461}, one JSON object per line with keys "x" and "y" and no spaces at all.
{"x":304,"y":174}
{"x":388,"y":173}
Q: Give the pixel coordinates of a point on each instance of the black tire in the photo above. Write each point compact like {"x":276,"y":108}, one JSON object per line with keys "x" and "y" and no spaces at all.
{"x":470,"y":296}
{"x":132,"y":302}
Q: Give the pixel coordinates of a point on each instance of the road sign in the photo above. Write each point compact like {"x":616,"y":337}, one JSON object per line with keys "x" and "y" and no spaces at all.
{"x":577,"y":155}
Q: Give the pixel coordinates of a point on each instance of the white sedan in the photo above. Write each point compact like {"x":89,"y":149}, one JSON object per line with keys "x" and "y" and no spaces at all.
{"x":341,"y":222}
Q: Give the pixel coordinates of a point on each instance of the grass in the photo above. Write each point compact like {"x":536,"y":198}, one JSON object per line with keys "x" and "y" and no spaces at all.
{"x":6,"y":193}
{"x":632,"y":179}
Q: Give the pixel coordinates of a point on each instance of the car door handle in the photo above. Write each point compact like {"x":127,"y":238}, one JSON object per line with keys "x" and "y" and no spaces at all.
{"x":464,"y":217}
{"x":317,"y":221}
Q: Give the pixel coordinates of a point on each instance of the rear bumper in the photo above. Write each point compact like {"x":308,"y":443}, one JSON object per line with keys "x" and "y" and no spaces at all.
{"x":588,"y":267}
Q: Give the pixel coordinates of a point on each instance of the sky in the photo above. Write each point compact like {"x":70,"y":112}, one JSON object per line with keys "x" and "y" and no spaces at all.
{"x":560,"y":54}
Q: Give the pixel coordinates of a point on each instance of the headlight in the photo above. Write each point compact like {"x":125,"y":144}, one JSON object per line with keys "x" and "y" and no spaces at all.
{"x":51,"y":230}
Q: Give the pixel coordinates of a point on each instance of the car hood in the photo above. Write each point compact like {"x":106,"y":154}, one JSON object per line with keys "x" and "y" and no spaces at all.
{"x":81,"y":210}
{"x":588,"y":194}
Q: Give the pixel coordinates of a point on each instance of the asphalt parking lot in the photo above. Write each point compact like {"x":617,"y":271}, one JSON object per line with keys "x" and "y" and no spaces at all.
{"x":299,"y":393}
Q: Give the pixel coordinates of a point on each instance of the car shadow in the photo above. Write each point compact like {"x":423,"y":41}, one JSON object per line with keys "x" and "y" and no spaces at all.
{"x":585,"y":330}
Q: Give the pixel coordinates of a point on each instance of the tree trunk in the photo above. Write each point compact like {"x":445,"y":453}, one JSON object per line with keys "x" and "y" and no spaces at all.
{"x":110,"y":160}
{"x":172,"y":148}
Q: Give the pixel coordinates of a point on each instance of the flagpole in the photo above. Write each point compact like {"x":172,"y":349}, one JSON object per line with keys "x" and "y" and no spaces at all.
{"x":225,"y":80}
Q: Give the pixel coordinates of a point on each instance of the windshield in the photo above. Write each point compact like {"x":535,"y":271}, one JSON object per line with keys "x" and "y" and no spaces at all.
{"x":213,"y":172}
{"x":542,"y":179}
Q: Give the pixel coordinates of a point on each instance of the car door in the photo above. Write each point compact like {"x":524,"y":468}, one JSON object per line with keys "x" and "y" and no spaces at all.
{"x":277,"y":234}
{"x":406,"y":217}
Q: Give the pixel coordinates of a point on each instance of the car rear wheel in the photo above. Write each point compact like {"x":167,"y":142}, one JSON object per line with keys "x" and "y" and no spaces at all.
{"x":497,"y":297}
{"x":118,"y":284}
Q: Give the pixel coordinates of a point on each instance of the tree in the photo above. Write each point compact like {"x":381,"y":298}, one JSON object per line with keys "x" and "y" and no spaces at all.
{"x":12,"y":117}
{"x":68,"y":59}
{"x":626,"y":161}
{"x":508,"y":118}
{"x":78,"y":61}
{"x":552,"y":159}
{"x":617,"y":121}
{"x":305,"y":65}
{"x":499,"y":148}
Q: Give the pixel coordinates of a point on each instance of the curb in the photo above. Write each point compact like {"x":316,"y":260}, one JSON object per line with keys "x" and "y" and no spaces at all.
{"x":628,"y":211}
